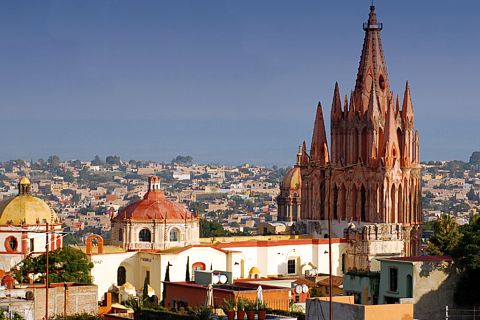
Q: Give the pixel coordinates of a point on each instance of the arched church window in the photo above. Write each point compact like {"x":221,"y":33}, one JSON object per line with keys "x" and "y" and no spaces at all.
{"x":363,"y":204}
{"x":11,"y":244}
{"x":145,"y":235}
{"x":335,"y":202}
{"x":121,"y":276}
{"x":174,"y":235}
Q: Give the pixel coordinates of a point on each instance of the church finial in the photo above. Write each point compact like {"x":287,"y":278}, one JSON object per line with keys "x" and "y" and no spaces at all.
{"x":299,"y":155}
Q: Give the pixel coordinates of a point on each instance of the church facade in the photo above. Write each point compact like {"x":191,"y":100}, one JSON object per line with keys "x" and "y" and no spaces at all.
{"x":368,"y":181}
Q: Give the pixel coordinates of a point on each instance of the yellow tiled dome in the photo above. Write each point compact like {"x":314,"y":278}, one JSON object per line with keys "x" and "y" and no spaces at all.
{"x":25,"y":208}
{"x":292,"y":180}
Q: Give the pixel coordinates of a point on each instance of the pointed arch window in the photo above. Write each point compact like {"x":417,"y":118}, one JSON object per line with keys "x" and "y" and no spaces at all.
{"x":363,"y":204}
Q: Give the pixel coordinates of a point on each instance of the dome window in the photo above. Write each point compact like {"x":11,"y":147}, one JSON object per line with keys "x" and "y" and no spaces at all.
{"x":174,"y":235}
{"x":145,"y":235}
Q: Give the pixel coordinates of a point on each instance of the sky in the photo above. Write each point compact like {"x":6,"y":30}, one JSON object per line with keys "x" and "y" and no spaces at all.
{"x":223,"y":81}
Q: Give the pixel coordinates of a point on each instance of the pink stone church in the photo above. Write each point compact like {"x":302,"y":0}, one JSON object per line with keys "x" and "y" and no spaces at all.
{"x":368,"y":180}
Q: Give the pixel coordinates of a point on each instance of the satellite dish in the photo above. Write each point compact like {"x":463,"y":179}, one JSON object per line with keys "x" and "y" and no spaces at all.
{"x":223,"y":279}
{"x":298,"y":289}
{"x":215,"y":279}
{"x":304,"y":288}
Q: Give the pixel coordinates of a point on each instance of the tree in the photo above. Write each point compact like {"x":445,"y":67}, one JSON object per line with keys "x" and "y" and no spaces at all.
{"x":97,"y":161}
{"x":77,"y":164}
{"x":5,"y":316}
{"x":187,"y":272}
{"x":145,"y":289}
{"x":210,"y":229}
{"x":467,"y":251}
{"x":475,"y":158}
{"x":445,"y":236}
{"x":182,"y":160}
{"x":166,"y":279}
{"x":53,"y":162}
{"x":41,"y":163}
{"x":167,"y":272}
{"x":467,"y":259}
{"x":112,"y":160}
{"x":68,"y":176}
{"x":65,"y":265}
{"x":471,"y":194}
{"x":197,"y":207}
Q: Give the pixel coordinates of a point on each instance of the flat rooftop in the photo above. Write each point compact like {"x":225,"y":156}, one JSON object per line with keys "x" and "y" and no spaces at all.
{"x":420,"y":259}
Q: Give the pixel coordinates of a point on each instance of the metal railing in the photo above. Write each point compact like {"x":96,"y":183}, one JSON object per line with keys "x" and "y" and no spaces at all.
{"x":462,"y":314}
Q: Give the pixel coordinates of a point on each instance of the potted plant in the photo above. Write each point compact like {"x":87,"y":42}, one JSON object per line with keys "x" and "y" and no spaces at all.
{"x":261,"y":310}
{"x":240,"y":309}
{"x":250,"y":310}
{"x":229,"y":308}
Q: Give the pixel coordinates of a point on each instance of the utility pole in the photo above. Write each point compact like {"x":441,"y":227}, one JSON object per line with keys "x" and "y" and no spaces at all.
{"x":329,"y":175}
{"x":65,"y":287}
{"x":46,"y":271}
{"x":330,"y":281}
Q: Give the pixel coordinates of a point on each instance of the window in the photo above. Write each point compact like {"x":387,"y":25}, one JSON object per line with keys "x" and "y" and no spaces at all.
{"x":291,"y":266}
{"x":145,"y":235}
{"x":174,"y":235}
{"x":409,"y":286}
{"x":32,"y":244}
{"x":11,"y":244}
{"x":120,"y":234}
{"x":393,"y":279}
{"x":121,"y":276}
{"x":197,"y":266}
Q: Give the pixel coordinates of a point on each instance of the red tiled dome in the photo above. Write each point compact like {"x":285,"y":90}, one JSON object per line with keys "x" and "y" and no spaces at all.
{"x":153,"y":206}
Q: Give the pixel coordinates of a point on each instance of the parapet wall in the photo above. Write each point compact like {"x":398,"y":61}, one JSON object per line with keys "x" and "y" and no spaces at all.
{"x":319,"y":309}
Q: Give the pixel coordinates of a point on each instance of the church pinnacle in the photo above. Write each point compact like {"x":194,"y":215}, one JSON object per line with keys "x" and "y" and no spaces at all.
{"x":319,"y":148}
{"x":372,"y":67}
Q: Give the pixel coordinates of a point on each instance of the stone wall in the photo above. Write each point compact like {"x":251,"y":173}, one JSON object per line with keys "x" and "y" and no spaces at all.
{"x":80,"y":299}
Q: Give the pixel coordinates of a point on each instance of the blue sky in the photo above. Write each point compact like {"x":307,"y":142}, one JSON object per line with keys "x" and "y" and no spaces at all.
{"x":223,"y":81}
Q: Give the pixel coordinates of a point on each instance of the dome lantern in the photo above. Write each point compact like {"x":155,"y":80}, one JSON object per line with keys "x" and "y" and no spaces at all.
{"x":24,"y":187}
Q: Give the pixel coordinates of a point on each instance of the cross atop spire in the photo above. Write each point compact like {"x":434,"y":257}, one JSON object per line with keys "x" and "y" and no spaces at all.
{"x":372,"y":67}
